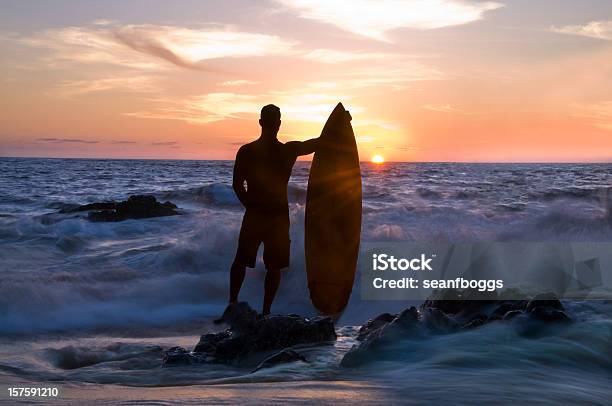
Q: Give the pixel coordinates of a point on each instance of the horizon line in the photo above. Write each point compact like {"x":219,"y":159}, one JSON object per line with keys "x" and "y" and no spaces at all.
{"x":310,"y":160}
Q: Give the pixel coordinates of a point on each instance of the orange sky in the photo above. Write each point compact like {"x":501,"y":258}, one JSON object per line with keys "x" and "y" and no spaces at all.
{"x":425,"y":80}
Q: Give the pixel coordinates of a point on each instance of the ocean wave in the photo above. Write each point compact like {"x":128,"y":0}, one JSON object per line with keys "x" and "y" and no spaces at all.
{"x":72,"y":357}
{"x":221,"y":195}
{"x":597,"y":194}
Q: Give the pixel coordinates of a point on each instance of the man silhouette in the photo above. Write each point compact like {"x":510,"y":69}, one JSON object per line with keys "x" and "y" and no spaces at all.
{"x":261,"y":173}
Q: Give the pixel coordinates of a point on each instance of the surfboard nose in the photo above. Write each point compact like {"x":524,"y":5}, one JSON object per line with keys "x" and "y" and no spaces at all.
{"x":339,"y":112}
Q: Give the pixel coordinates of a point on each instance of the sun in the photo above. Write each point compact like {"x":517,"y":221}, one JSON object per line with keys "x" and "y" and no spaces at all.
{"x":378,"y":159}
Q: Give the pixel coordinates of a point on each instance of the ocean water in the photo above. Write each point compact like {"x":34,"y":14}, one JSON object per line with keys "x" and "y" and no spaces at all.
{"x":84,"y":302}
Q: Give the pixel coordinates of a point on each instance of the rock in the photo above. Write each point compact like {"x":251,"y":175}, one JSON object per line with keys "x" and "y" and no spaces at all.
{"x":549,"y":314}
{"x":90,"y":206}
{"x":533,"y":318}
{"x":240,"y":316}
{"x":506,"y":307}
{"x":512,"y":314}
{"x":283,"y":357}
{"x":402,"y":326}
{"x":437,"y":321}
{"x":136,"y":207}
{"x":450,"y":301}
{"x":250,"y":335}
{"x":374,"y":324}
{"x":180,"y":356}
{"x":457,"y":302}
{"x":476,"y":321}
{"x":549,"y":300}
{"x":209,"y":342}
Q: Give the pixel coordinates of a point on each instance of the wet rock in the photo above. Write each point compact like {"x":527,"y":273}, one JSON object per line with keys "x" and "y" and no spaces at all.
{"x":476,"y":321}
{"x":180,"y":356}
{"x":402,"y":326}
{"x":374,"y":324}
{"x":282,"y":357}
{"x":460,"y":302}
{"x":407,"y":318}
{"x":506,"y":307}
{"x":91,"y":206}
{"x":209,"y":342}
{"x":450,"y":301}
{"x":549,"y":300}
{"x":250,"y":335}
{"x":176,"y":356}
{"x":533,"y":318}
{"x":240,"y":317}
{"x":136,"y":207}
{"x":512,"y":314}
{"x":438,"y":321}
{"x":548,"y":314}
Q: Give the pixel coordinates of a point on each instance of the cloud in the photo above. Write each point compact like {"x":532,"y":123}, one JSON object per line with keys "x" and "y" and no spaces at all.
{"x":442,"y":108}
{"x":334,"y":56}
{"x":165,"y":143}
{"x":149,"y":46}
{"x":374,"y":18}
{"x":212,"y":107}
{"x":397,"y":76}
{"x":240,"y":82}
{"x":594,"y":29}
{"x":67,"y":140}
{"x":139,"y":84}
{"x":450,"y":108}
{"x":296,"y":106}
{"x":122,"y":142}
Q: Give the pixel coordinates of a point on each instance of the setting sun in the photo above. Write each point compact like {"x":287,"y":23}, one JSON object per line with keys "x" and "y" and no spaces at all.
{"x":378,"y":159}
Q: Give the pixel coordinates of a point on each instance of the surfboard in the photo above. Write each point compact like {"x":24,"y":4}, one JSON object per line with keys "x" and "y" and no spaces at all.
{"x":333,"y":215}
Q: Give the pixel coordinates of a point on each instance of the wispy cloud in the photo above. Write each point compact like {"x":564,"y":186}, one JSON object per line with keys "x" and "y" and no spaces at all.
{"x":149,"y":46}
{"x":188,"y":48}
{"x":139,"y":84}
{"x":594,"y":29}
{"x":449,"y":108}
{"x":211,"y":107}
{"x":442,"y":108}
{"x":240,"y":82}
{"x":121,"y":142}
{"x":67,"y":140}
{"x":296,"y":106}
{"x":397,"y":76}
{"x":165,"y":143}
{"x":335,"y":56}
{"x":374,"y":18}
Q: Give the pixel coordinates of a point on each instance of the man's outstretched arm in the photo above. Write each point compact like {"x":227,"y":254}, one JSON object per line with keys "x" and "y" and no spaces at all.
{"x":304,"y":147}
{"x":239,"y":179}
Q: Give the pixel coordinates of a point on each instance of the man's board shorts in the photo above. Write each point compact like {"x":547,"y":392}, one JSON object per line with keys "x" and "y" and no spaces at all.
{"x":269,"y":228}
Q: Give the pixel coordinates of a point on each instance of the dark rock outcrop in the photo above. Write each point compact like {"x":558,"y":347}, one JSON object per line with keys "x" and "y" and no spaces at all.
{"x":180,"y":356}
{"x":448,"y":312}
{"x":250,"y":334}
{"x":135,"y":207}
{"x":283,"y":357}
{"x":374,"y":325}
{"x":549,"y":300}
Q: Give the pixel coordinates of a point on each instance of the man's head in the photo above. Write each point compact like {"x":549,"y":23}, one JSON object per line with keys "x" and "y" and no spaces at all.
{"x":270,"y":119}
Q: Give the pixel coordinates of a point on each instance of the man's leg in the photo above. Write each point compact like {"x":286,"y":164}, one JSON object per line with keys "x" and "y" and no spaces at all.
{"x":246,"y":254}
{"x":237,"y":273}
{"x":273,"y":277}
